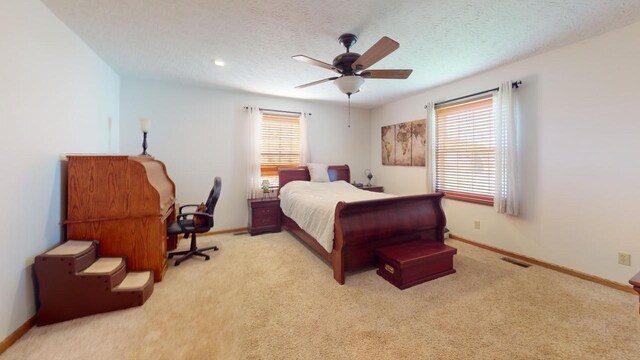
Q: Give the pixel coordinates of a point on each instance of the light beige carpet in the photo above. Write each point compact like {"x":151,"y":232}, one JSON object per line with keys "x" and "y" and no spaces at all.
{"x":269,"y":297}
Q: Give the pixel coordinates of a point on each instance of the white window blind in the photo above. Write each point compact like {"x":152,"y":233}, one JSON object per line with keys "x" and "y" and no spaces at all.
{"x":465,"y":155}
{"x":280,"y":146}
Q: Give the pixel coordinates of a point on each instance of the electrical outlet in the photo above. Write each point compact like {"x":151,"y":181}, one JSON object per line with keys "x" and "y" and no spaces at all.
{"x":624,"y":259}
{"x":476,"y":224}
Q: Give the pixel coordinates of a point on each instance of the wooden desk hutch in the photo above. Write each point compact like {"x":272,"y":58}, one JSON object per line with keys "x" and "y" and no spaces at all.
{"x":125,"y":202}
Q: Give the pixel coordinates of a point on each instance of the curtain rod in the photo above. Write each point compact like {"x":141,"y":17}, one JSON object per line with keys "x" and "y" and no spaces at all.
{"x":280,"y":111}
{"x":515,"y":85}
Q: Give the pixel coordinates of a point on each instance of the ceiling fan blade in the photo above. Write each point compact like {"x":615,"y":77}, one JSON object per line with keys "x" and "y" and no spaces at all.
{"x":313,"y":61}
{"x":316,"y":82}
{"x":379,"y":50}
{"x":386,"y":74}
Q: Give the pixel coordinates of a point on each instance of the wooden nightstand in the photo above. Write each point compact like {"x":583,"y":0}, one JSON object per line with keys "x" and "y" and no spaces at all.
{"x":264,"y":216}
{"x":374,"y":188}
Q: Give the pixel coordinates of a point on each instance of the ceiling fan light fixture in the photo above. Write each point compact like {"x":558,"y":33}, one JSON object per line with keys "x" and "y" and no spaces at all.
{"x":353,"y":68}
{"x":349,"y":84}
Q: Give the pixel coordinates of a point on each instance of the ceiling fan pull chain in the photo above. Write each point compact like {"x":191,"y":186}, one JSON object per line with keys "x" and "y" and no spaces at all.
{"x":349,"y":96}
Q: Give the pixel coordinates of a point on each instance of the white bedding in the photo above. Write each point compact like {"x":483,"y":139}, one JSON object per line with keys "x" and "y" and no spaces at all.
{"x":312,"y":205}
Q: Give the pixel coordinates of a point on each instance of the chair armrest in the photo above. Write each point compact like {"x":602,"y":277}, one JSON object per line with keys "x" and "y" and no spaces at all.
{"x":187,"y":205}
{"x":193,"y":213}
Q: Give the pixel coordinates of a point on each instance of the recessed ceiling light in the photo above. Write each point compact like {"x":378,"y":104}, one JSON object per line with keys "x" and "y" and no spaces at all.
{"x":219,"y":62}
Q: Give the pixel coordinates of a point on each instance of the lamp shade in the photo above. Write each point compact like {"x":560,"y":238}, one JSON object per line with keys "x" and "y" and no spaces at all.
{"x":349,"y":84}
{"x":145,"y":125}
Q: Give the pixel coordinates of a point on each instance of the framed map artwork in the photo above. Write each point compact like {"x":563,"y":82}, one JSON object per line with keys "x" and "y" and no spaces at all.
{"x":404,"y":144}
{"x":418,"y":143}
{"x":388,"y":145}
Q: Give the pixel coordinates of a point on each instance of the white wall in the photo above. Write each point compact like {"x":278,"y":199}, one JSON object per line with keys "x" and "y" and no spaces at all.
{"x":200,"y":133}
{"x":56,"y":96}
{"x":579,"y":142}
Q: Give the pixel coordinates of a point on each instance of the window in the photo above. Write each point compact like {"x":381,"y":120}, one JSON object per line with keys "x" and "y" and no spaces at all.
{"x":465,"y":155}
{"x":280,"y":145}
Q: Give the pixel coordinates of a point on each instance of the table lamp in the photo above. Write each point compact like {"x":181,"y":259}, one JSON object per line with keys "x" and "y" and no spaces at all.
{"x":265,"y":188}
{"x":369,"y":176}
{"x":145,"y":126}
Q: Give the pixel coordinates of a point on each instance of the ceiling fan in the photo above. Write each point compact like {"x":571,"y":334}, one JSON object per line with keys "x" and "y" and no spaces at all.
{"x":352,"y":67}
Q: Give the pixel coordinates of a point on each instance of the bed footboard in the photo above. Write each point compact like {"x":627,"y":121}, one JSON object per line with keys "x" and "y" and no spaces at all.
{"x":363,"y":226}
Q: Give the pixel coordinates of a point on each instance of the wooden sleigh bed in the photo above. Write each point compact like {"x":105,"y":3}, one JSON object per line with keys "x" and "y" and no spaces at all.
{"x":361,"y":227}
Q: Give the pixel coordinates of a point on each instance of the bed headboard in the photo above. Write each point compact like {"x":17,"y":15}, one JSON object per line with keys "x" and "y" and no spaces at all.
{"x":336,"y":172}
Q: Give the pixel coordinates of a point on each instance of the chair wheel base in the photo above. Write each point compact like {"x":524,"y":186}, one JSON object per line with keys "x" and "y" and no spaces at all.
{"x":189,"y":253}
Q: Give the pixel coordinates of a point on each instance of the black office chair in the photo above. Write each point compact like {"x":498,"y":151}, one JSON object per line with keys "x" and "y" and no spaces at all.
{"x":184,"y":224}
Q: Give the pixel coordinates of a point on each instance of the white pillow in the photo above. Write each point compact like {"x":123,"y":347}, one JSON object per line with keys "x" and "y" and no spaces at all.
{"x":319,"y":172}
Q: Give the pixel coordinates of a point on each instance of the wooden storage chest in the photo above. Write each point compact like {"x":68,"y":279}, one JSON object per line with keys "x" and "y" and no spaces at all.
{"x":411,"y":263}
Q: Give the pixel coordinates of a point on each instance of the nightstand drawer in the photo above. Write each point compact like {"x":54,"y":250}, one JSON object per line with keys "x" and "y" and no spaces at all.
{"x":264,"y":216}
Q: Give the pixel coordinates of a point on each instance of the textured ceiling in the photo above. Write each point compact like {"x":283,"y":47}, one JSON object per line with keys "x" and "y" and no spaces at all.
{"x":441,"y":40}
